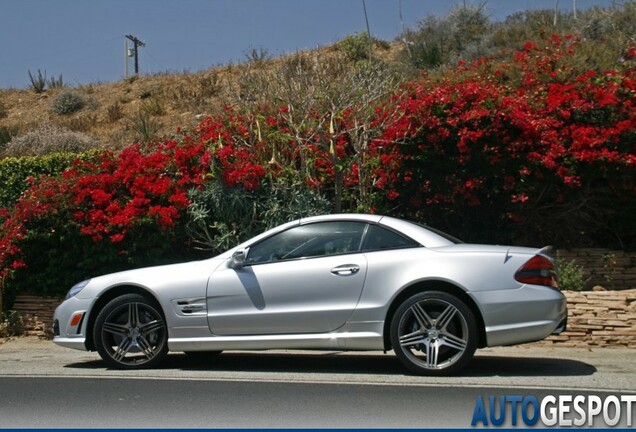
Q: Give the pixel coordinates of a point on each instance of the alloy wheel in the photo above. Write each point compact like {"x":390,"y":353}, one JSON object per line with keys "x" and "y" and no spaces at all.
{"x":131,"y":333}
{"x":434,"y":333}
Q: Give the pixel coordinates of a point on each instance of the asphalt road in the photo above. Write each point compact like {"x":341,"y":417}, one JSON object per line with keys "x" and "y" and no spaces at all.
{"x":44,"y":386}
{"x":170,"y":403}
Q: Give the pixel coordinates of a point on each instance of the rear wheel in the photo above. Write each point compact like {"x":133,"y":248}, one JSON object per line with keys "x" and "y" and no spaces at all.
{"x":130,"y":333}
{"x":434,"y":333}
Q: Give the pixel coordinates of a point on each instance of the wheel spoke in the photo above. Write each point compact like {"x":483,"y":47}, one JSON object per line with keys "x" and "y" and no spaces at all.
{"x":133,"y":314}
{"x":453,"y":341}
{"x":432,"y":353}
{"x":421,"y":316}
{"x":122,"y":349}
{"x":151,"y":326}
{"x":414,"y":338}
{"x":145,"y":346}
{"x":446,"y":317}
{"x":115,"y":328}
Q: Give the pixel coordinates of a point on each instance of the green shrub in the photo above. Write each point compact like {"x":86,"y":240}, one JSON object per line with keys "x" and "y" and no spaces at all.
{"x":67,"y":102}
{"x":145,"y":127}
{"x":48,"y":140}
{"x":15,"y":171}
{"x":356,"y":47}
{"x":467,"y":33}
{"x":153,"y":107}
{"x":11,"y":324}
{"x":571,"y":275}
{"x":222,"y":217}
{"x":441,"y":40}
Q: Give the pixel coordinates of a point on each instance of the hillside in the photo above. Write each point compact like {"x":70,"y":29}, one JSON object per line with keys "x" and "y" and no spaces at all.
{"x":113,"y":112}
{"x":140,"y":108}
{"x":146,"y":107}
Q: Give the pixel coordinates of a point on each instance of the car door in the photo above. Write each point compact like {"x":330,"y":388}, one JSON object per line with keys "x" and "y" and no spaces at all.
{"x":307,"y":279}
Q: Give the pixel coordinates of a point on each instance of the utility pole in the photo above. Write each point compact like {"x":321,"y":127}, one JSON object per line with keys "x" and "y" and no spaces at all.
{"x":574,"y":8}
{"x":136,"y":44}
{"x":126,"y":55}
{"x":366,"y":18}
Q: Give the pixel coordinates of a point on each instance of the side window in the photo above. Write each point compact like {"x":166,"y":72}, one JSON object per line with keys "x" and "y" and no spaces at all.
{"x":379,"y":238}
{"x":312,"y":240}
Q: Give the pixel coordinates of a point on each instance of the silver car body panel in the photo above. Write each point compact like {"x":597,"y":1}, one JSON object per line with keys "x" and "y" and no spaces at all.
{"x":273,"y":298}
{"x":306,"y":303}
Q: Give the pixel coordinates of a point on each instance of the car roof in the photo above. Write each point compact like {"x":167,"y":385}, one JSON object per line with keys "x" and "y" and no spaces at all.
{"x":343,"y":216}
{"x":423,"y":235}
{"x":419,"y":233}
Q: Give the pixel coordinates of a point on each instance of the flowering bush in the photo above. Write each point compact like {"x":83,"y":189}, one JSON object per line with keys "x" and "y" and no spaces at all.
{"x":531,"y":148}
{"x":531,"y":151}
{"x":105,"y":215}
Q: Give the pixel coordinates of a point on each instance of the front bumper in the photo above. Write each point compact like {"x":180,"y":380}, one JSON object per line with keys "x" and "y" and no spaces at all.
{"x":71,"y":323}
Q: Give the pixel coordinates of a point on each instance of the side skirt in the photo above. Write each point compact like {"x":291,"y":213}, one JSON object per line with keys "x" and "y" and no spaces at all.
{"x":340,"y":341}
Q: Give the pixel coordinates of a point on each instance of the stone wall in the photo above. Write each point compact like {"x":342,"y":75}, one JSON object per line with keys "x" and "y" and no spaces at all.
{"x":612,"y":269}
{"x":37,"y":314}
{"x":598,"y":319}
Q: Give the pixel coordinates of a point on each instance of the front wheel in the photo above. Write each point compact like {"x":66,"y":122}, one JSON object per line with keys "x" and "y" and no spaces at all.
{"x":434,"y":333}
{"x":130,"y":333}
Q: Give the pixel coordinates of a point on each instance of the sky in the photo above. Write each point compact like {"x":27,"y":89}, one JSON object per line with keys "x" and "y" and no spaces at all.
{"x":84,"y":40}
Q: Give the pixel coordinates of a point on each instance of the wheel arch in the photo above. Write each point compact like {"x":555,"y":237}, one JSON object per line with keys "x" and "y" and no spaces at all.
{"x":110,"y":294}
{"x":433,"y":285}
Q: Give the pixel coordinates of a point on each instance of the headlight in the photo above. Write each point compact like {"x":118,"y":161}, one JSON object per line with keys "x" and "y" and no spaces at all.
{"x":76,"y":289}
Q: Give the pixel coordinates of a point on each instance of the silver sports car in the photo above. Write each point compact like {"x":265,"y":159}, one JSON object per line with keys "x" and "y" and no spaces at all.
{"x":336,"y":282}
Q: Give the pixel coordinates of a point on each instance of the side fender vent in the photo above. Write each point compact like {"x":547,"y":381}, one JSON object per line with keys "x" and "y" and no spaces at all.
{"x":190,"y":306}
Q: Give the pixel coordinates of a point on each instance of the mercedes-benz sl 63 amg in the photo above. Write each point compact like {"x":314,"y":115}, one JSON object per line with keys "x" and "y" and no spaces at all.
{"x":336,"y":282}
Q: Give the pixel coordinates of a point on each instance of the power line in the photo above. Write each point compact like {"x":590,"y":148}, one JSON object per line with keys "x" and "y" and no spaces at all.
{"x":154,"y":59}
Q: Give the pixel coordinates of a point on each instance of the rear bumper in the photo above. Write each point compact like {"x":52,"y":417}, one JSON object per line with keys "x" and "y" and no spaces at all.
{"x":561,"y":327}
{"x":527,"y":314}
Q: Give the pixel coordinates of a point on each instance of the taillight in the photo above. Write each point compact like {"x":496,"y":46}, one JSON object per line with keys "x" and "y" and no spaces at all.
{"x":539,"y":270}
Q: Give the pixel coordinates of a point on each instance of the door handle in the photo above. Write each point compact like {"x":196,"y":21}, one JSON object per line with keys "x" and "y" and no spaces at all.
{"x":345,"y":270}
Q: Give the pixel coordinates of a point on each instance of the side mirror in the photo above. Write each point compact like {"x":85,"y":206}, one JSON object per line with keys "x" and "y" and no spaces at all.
{"x":238,"y":259}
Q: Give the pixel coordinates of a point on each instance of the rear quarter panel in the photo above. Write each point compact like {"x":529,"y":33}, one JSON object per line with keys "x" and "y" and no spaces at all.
{"x":485,"y":273}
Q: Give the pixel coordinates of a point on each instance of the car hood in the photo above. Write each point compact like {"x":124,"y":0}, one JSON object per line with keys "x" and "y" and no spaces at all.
{"x":154,"y":278}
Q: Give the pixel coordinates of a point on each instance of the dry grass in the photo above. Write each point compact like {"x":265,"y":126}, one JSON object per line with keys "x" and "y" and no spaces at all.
{"x":171,"y":100}
{"x":114,"y":105}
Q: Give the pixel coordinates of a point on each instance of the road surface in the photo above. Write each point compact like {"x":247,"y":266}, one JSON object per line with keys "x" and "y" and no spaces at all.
{"x":45,"y":386}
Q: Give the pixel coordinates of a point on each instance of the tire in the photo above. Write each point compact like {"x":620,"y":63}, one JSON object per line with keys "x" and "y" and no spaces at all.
{"x":434,"y":333}
{"x":131,"y":333}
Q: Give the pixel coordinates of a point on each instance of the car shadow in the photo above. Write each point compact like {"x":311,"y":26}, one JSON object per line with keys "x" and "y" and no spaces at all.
{"x":358,"y":364}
